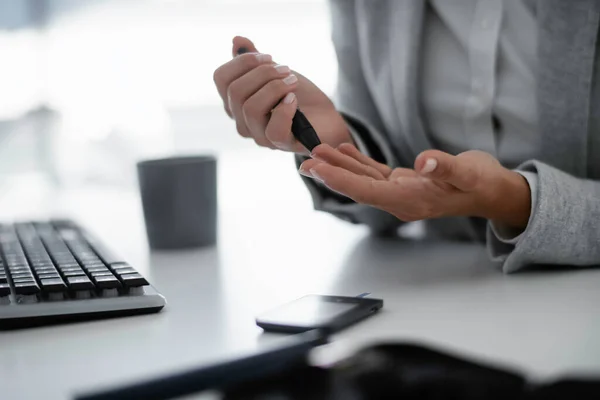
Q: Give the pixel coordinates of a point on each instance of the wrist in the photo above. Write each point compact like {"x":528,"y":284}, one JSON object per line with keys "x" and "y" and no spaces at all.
{"x":337,"y":132}
{"x":347,"y":137}
{"x":512,"y":204}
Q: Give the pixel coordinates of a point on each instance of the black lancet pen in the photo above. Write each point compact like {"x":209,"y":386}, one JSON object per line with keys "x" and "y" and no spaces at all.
{"x":302,"y":129}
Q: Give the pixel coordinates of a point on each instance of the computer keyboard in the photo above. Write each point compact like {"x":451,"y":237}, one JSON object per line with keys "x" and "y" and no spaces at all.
{"x":56,"y":271}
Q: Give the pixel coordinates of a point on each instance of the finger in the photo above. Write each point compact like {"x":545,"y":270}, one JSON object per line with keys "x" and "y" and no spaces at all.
{"x":307,"y":165}
{"x":463,"y":174}
{"x":242,"y":129}
{"x":279,"y":127}
{"x":350,"y":150}
{"x":263,"y":142}
{"x":240,"y":90}
{"x":398,"y":173}
{"x":360,"y":188}
{"x":232,"y":70}
{"x":241,"y":45}
{"x":241,"y":42}
{"x":332,"y":156}
{"x":256,"y":110}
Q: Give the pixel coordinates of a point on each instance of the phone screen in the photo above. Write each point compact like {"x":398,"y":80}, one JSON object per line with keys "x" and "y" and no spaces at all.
{"x":308,"y":310}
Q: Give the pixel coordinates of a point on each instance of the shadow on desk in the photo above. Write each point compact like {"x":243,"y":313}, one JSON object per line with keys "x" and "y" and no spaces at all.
{"x":401,"y":263}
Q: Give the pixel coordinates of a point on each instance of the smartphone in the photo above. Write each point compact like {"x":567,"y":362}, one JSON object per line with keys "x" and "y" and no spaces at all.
{"x":327,"y":313}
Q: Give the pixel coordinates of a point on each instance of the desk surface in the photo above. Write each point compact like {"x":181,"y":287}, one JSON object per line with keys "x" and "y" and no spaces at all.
{"x":447,"y":295}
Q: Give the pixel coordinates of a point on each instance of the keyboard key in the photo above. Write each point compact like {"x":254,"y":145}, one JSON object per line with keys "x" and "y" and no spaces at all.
{"x":70,"y":269}
{"x":46,"y":270}
{"x":103,"y":252}
{"x":43,"y":265}
{"x":4,"y":289}
{"x":26,"y":288}
{"x":97,"y":269}
{"x":3,"y":279}
{"x":16,"y":270}
{"x":16,"y":263}
{"x":79,"y":283}
{"x":124,"y":271}
{"x":106,"y":282}
{"x":94,"y":264}
{"x":68,"y":265}
{"x":53,"y":285}
{"x":19,"y":270}
{"x":40,"y":264}
{"x":133,"y":280}
{"x":101,"y":273}
{"x":119,"y":265}
{"x":75,"y":273}
{"x":23,"y":280}
{"x":66,"y":258}
{"x":50,"y":275}
{"x":22,"y":275}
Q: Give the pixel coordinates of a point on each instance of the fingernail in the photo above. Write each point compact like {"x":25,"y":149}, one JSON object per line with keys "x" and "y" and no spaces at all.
{"x":290,"y":79}
{"x":262,"y":58}
{"x":315,"y":175}
{"x":315,"y":157}
{"x":304,"y":172}
{"x":429,"y":166}
{"x":289,"y":98}
{"x":282,"y":69}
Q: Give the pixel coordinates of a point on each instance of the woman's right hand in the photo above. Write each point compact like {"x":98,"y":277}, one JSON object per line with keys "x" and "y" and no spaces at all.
{"x":262,"y":98}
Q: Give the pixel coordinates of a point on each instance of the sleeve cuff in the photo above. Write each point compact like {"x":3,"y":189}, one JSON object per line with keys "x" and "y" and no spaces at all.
{"x":358,"y":141}
{"x":563,"y":227}
{"x":369,"y":140}
{"x":501,"y":240}
{"x":509,"y":235}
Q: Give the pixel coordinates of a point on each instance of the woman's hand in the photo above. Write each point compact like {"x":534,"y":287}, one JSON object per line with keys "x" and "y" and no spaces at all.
{"x":440,"y":185}
{"x":262,"y":98}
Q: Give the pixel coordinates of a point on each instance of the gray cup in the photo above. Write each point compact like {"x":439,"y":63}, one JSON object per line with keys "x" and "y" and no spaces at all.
{"x":179,"y":198}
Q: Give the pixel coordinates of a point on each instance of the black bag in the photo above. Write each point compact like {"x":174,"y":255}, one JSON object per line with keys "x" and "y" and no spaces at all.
{"x":405,"y":371}
{"x":384,"y":371}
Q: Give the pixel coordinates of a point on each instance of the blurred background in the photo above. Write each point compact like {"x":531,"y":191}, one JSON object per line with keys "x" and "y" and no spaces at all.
{"x":89,"y":87}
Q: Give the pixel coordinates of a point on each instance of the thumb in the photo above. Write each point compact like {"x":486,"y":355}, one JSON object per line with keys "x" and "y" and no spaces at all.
{"x":242,"y":45}
{"x":460,"y":172}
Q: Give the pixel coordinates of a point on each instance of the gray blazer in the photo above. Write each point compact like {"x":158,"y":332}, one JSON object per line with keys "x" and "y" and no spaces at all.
{"x":377,"y":45}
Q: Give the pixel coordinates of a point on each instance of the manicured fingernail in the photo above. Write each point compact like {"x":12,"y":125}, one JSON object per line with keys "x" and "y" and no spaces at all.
{"x":316,"y":157}
{"x":290,"y":79}
{"x":263,"y":58}
{"x":304,"y":172}
{"x":282,"y":69}
{"x":315,"y":175}
{"x":429,"y":166}
{"x":289,"y":98}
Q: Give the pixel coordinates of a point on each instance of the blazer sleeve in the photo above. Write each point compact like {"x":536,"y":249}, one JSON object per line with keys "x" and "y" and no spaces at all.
{"x":353,"y":100}
{"x":564,"y":225}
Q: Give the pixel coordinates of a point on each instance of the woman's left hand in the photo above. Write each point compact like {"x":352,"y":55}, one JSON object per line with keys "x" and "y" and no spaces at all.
{"x":472,"y":183}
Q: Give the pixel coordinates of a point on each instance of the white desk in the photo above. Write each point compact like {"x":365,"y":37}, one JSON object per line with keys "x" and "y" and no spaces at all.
{"x":449,"y":295}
